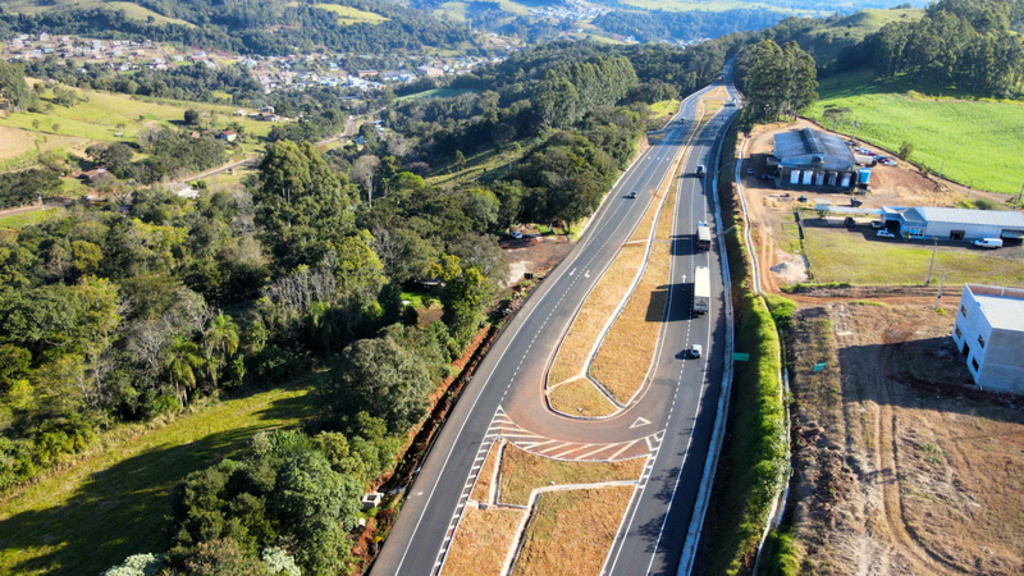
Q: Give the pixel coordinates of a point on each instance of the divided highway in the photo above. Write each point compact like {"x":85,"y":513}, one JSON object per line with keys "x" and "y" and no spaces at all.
{"x":673,"y":417}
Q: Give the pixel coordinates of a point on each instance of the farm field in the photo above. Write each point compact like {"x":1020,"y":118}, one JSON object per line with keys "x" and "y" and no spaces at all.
{"x":105,"y":115}
{"x":93,"y":514}
{"x":349,"y":15}
{"x":26,"y":218}
{"x":19,"y":146}
{"x":437,"y":93}
{"x":131,"y":9}
{"x":974,"y":142}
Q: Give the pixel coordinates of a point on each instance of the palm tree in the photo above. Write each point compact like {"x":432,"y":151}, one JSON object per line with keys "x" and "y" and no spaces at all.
{"x":221,"y":342}
{"x":183,"y":358}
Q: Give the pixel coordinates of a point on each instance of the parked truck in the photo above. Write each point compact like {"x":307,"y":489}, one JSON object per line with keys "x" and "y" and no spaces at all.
{"x":701,"y":290}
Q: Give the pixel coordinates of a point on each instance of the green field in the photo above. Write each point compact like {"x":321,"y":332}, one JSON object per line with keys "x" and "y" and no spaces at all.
{"x":349,"y":15}
{"x":106,"y":114}
{"x":855,"y":256}
{"x":825,"y":42}
{"x":21,"y":220}
{"x":131,"y":9}
{"x":116,"y":503}
{"x":977,"y":143}
{"x":437,"y":93}
{"x":457,"y":11}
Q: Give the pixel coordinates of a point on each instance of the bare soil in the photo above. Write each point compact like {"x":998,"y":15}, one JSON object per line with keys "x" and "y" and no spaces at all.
{"x":771,"y":209}
{"x":901,"y":465}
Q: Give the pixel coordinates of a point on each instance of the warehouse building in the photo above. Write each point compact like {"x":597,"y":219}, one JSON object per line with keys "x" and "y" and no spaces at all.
{"x":953,"y":223}
{"x":989,"y":332}
{"x":811,"y":158}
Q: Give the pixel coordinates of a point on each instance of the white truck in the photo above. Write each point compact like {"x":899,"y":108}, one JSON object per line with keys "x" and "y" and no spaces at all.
{"x":701,"y":290}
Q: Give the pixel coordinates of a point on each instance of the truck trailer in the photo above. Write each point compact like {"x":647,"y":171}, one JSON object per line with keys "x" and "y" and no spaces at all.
{"x":701,"y":290}
{"x":703,"y":237}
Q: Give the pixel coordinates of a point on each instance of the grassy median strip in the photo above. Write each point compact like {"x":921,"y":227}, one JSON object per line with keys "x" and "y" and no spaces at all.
{"x":482,"y":541}
{"x":89,"y":517}
{"x":580,"y":397}
{"x":626,"y":354}
{"x":571,"y":531}
{"x":523,"y":471}
{"x":482,"y":488}
{"x":601,"y":304}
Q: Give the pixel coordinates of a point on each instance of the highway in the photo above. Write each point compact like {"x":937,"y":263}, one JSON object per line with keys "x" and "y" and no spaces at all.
{"x":671,"y":418}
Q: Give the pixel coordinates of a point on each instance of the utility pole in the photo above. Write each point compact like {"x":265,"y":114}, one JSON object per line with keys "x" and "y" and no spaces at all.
{"x":935,"y":247}
{"x":1019,"y":194}
{"x":938,"y":298}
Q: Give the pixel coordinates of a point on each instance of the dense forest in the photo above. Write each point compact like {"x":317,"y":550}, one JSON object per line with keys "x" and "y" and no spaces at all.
{"x":267,"y":27}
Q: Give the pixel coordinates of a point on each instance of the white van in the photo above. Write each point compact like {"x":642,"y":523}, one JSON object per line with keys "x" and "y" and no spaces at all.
{"x":989,"y":242}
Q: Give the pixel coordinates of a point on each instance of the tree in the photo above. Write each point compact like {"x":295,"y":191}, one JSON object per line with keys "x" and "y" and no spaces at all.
{"x":779,"y":80}
{"x":116,"y":157}
{"x":364,"y":170}
{"x":182,"y":362}
{"x":221,"y":341}
{"x":14,"y":92}
{"x":193,"y":117}
{"x":301,"y":206}
{"x":463,"y":297}
{"x":906,"y":150}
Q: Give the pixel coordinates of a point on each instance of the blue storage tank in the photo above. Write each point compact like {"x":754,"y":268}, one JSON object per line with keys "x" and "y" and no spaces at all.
{"x":863,"y":175}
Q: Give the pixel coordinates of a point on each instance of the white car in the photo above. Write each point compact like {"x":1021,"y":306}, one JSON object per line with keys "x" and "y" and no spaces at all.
{"x":989,"y":243}
{"x":885,"y":234}
{"x":696,"y":351}
{"x":516,"y":234}
{"x":876,"y":224}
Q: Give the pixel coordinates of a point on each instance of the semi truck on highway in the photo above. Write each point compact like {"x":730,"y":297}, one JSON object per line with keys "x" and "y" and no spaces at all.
{"x":701,"y":290}
{"x":703,"y":237}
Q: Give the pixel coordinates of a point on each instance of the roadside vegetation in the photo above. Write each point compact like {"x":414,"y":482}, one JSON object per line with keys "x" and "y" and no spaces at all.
{"x":753,"y":465}
{"x":522,"y":472}
{"x":483,"y":540}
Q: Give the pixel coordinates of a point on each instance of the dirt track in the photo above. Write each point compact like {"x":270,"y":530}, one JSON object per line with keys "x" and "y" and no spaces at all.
{"x":901,"y":465}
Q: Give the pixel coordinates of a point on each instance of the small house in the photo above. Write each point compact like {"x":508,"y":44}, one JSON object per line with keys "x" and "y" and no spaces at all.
{"x":227,"y":136}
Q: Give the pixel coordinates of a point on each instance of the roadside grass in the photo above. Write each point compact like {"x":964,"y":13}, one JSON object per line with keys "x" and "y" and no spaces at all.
{"x":571,"y":531}
{"x":600,"y":304}
{"x":522,"y":471}
{"x":579,"y":397}
{"x":348,"y":15}
{"x":664,"y":108}
{"x":131,"y":10}
{"x":435,"y":93}
{"x":482,"y":541}
{"x":625,"y":356}
{"x":484,"y":480}
{"x":974,"y":142}
{"x":839,"y":255}
{"x":15,"y":221}
{"x":93,"y":514}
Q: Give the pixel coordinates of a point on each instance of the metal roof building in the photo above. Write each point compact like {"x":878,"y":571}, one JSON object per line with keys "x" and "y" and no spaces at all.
{"x":989,"y":332}
{"x":954,"y":223}
{"x":811,"y":158}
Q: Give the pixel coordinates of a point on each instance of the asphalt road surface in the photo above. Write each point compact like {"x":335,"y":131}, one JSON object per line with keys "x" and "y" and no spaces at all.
{"x":671,"y":419}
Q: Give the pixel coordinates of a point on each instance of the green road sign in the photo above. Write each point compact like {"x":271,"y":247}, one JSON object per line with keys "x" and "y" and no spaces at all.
{"x":740,"y":356}
{"x":820,"y":366}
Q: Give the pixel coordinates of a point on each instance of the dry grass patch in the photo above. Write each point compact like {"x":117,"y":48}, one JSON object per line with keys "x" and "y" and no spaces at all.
{"x":522,"y":471}
{"x":482,"y":541}
{"x":482,"y":488}
{"x":571,"y":532}
{"x":625,"y":356}
{"x":602,"y":301}
{"x":579,"y":397}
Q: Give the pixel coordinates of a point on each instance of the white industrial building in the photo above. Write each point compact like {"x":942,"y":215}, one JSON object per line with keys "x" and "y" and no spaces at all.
{"x":953,"y":223}
{"x":811,"y":158}
{"x":989,"y":332}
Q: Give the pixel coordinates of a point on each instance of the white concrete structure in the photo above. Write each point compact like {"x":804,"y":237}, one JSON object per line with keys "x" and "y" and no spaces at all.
{"x":954,"y":223}
{"x":989,"y":332}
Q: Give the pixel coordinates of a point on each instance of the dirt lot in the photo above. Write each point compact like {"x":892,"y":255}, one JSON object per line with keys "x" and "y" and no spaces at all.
{"x":771,"y":209}
{"x":902,"y":465}
{"x":534,"y":254}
